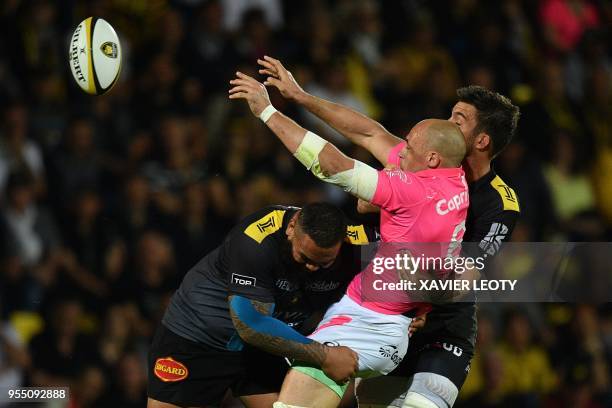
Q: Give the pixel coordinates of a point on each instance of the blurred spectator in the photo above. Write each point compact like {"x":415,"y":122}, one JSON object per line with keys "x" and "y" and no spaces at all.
{"x":196,"y":232}
{"x":549,"y":111}
{"x":137,"y":213}
{"x":591,"y":56}
{"x":14,"y":357}
{"x":154,"y":276}
{"x":598,"y":113}
{"x":234,"y":12}
{"x":76,"y":164}
{"x":41,"y":39}
{"x":483,"y":386}
{"x":585,"y":363}
{"x":527,"y":373}
{"x":571,"y":190}
{"x":30,"y":245}
{"x":31,"y":231}
{"x":213,"y":58}
{"x":332,"y":84}
{"x":130,"y":388}
{"x":90,"y":239}
{"x":118,"y":335}
{"x":565,"y":21}
{"x":521,"y":167}
{"x":158,"y":86}
{"x":88,"y":388}
{"x":17,"y":152}
{"x":365,"y":23}
{"x":175,"y":168}
{"x":61,"y":352}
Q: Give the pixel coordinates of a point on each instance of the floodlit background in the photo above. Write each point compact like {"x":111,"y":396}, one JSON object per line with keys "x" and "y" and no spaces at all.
{"x":107,"y":201}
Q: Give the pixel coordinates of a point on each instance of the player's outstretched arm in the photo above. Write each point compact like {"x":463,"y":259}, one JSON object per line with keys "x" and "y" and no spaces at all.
{"x":355,"y":126}
{"x":257,"y":328}
{"x":323,"y":159}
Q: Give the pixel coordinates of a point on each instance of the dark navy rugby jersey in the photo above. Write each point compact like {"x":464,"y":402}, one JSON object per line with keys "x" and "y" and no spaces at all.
{"x":255,"y":261}
{"x":493,"y":212}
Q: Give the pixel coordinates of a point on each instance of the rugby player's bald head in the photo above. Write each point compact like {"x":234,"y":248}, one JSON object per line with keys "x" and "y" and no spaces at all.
{"x":445,"y":138}
{"x":438,"y":142}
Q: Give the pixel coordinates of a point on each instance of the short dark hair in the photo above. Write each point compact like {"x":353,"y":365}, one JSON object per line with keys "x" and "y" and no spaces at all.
{"x":496,"y":114}
{"x":324,"y":223}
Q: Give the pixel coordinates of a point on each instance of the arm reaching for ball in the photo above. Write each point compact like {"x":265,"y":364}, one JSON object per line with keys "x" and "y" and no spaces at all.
{"x":323,"y":159}
{"x":353,"y":125}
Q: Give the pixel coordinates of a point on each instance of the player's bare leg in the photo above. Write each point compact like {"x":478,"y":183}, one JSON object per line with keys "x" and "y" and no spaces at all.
{"x":349,"y":399}
{"x":260,"y":400}
{"x":151,"y":403}
{"x":301,"y":390}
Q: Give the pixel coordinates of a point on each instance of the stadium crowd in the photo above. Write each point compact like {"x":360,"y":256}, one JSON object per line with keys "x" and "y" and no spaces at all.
{"x":107,"y":201}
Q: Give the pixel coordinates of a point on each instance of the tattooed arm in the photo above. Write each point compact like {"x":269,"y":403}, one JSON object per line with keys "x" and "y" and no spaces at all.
{"x":256,"y":327}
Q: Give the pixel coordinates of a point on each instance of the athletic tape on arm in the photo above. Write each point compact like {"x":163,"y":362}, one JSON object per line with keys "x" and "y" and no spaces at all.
{"x":360,"y":181}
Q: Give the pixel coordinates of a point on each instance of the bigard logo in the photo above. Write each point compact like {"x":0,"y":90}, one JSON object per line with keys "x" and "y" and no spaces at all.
{"x":169,"y":370}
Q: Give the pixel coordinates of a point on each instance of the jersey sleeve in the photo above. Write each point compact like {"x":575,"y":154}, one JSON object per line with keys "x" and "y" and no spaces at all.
{"x":251,"y":269}
{"x":490,"y":233}
{"x":397,"y":189}
{"x":393,"y":157}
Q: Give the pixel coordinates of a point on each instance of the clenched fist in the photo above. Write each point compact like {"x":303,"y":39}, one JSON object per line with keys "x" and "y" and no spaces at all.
{"x":341,"y":363}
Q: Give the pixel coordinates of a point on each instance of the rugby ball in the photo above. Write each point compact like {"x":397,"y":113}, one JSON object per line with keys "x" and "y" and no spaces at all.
{"x":95,"y":56}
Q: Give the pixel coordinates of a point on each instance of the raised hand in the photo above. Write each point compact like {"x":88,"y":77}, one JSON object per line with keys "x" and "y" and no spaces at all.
{"x":279,"y":77}
{"x":253,"y":91}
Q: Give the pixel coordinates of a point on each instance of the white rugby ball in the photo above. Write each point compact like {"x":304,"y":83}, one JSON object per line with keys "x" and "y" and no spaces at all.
{"x":95,"y":56}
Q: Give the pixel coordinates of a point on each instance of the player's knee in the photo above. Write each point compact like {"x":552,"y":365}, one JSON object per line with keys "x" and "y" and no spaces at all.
{"x":414,"y":400}
{"x":436,"y":388}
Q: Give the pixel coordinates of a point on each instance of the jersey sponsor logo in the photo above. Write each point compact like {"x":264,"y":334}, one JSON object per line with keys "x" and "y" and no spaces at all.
{"x":322,"y":286}
{"x":243,"y":280}
{"x":507,"y":195}
{"x":356,"y":235}
{"x":266,"y":225}
{"x":284,"y":284}
{"x":389,"y":351}
{"x":168,"y":369}
{"x":491,"y":243}
{"x":457,"y":202}
{"x":400,"y":174}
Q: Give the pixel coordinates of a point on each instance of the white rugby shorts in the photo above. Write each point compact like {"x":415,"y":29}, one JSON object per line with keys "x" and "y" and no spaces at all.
{"x":380,"y":340}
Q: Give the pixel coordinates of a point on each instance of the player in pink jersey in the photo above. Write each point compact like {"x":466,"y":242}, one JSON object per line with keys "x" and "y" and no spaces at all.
{"x":425,"y":200}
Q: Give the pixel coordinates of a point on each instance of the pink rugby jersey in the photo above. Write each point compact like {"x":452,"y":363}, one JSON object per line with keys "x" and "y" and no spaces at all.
{"x":429,"y":206}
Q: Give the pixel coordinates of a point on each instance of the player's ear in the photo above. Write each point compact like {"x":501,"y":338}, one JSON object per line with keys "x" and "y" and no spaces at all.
{"x":290,"y":231}
{"x":482,"y":142}
{"x":433,"y":159}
